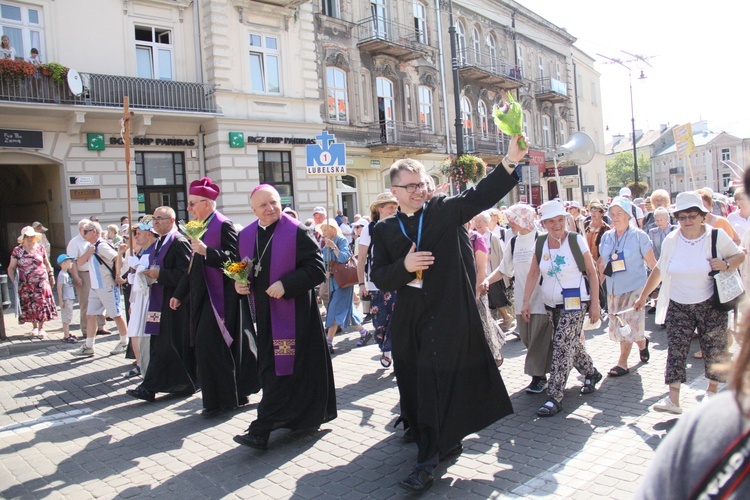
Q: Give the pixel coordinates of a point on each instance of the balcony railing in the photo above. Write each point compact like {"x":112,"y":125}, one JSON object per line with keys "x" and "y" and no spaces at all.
{"x":551,"y":89}
{"x":381,"y":35}
{"x":487,"y":68}
{"x":676,"y":170}
{"x":492,"y":144}
{"x":401,"y":134}
{"x":108,"y":91}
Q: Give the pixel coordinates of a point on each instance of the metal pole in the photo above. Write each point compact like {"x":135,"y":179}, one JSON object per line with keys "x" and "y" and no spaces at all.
{"x":632,"y":123}
{"x":456,"y":87}
{"x":127,"y":114}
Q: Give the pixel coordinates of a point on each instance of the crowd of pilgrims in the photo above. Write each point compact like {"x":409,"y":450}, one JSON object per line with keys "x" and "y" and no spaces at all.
{"x":444,"y":281}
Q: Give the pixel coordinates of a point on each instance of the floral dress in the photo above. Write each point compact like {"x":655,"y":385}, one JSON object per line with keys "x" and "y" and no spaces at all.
{"x":34,"y":290}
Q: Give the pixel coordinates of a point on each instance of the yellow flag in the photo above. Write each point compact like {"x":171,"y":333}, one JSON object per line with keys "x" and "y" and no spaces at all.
{"x":683,"y":139}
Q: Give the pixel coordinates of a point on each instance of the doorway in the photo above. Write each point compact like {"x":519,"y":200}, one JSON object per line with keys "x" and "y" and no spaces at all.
{"x":552,"y":191}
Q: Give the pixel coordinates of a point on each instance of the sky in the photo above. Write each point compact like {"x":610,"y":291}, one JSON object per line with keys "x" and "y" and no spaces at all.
{"x":697,"y":51}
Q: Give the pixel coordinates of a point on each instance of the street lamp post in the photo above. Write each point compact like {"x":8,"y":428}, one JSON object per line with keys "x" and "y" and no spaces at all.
{"x":456,"y":88}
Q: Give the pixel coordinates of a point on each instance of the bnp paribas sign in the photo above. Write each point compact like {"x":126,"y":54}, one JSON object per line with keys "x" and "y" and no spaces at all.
{"x":326,"y":156}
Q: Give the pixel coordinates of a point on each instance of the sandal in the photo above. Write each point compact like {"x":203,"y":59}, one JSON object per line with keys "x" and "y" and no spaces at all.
{"x":589,"y":384}
{"x":618,"y":371}
{"x":385,"y":361}
{"x":698,"y":355}
{"x":549,"y":409}
{"x":364,"y":338}
{"x":645,"y":355}
{"x":70,"y":339}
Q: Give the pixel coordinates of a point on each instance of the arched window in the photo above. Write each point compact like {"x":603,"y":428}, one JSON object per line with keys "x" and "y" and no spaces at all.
{"x":467,"y":124}
{"x":338,"y":103}
{"x":460,"y":43}
{"x":492,"y":52}
{"x":562,"y":132}
{"x":476,"y":42}
{"x":425,"y":108}
{"x":483,"y":123}
{"x":420,"y":22}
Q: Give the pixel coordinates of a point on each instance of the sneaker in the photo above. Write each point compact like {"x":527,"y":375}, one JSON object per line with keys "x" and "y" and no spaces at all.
{"x":41,"y":334}
{"x":84,"y":351}
{"x":537,"y":385}
{"x":119,"y":348}
{"x":134,"y":372}
{"x":666,"y":405}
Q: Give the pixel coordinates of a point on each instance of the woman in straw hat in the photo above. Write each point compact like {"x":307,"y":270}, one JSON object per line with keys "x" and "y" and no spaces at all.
{"x":341,"y":310}
{"x":35,"y":280}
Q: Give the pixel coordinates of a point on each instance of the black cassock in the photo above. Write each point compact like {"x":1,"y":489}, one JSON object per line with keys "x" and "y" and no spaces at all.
{"x":307,"y":398}
{"x":172,"y":364}
{"x":448,"y":382}
{"x":225,"y":374}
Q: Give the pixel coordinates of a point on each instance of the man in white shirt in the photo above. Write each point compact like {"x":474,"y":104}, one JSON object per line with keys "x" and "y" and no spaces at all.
{"x":347,"y":230}
{"x":76,"y":247}
{"x":104,"y":271}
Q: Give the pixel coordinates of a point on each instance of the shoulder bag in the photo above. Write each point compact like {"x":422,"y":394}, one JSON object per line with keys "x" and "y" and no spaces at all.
{"x":728,"y":288}
{"x":345,"y":274}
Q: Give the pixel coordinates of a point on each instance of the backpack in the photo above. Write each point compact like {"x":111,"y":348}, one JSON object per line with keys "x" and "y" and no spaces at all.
{"x":513,"y":243}
{"x":101,"y":261}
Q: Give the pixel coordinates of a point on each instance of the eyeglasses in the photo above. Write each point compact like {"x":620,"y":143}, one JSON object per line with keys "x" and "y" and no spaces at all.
{"x":191,"y":204}
{"x":683,"y":218}
{"x":159,"y":219}
{"x":411,"y":188}
{"x":88,"y":230}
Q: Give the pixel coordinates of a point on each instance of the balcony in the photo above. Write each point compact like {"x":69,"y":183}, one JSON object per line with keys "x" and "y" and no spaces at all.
{"x":491,"y":148}
{"x":482,"y":68}
{"x":551,"y":90}
{"x":394,"y":136}
{"x":379,"y":35}
{"x":108,"y":91}
{"x":677,"y":171}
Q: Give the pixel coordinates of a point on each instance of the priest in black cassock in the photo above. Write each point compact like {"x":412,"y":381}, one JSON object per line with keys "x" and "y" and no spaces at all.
{"x":225,"y":363}
{"x":448,"y":382}
{"x":294,"y":366}
{"x":171,"y":367}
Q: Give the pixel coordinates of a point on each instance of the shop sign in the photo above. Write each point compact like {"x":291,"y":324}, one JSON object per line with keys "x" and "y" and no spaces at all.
{"x":81,"y":180}
{"x":326,"y":157}
{"x":32,"y":139}
{"x":152,"y":141}
{"x":85,"y":194}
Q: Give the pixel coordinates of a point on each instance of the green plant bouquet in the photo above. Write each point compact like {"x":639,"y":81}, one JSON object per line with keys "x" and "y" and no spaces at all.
{"x":509,"y":118}
{"x":238,"y":271}
{"x":56,"y":71}
{"x":464,"y":169}
{"x":193,"y":229}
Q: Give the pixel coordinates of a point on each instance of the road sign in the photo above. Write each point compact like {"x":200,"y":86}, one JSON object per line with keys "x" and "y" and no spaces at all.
{"x":326,"y":157}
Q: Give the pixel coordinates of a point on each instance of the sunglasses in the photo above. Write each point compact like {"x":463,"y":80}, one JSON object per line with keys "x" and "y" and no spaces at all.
{"x":191,"y":204}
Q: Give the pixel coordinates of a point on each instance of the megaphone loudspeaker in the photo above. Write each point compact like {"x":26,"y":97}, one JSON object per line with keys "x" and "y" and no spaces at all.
{"x":578,"y":150}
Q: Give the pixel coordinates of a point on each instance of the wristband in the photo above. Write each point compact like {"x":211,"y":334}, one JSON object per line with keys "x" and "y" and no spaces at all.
{"x":727,"y":263}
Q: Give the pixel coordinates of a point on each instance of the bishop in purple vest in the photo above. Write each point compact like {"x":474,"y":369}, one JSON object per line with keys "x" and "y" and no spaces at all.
{"x":294,"y":365}
{"x":224,"y":359}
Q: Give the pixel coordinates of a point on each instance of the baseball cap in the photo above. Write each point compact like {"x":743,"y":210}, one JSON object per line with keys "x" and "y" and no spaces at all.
{"x":62,"y":258}
{"x":319,"y":210}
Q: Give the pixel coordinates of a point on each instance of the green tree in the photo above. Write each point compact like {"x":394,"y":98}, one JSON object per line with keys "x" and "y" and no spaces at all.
{"x":620,"y":170}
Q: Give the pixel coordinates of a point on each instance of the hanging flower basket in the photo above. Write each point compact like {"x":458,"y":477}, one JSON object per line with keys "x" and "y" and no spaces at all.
{"x":464,"y":169}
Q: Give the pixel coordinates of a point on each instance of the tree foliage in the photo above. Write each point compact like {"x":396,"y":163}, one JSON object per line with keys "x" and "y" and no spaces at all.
{"x":620,"y":171}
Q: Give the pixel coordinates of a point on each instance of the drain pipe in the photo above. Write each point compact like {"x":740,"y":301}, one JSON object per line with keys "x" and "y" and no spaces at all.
{"x":442,"y":81}
{"x":201,"y":152}
{"x":197,"y":42}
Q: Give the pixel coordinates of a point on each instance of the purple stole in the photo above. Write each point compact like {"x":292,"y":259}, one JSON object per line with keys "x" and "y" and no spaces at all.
{"x":156,"y":290}
{"x":283,"y":311}
{"x":215,"y":277}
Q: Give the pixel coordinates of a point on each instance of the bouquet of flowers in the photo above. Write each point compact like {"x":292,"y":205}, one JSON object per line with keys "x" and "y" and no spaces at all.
{"x":509,"y":118}
{"x":238,"y":271}
{"x":464,"y":169}
{"x":193,"y":229}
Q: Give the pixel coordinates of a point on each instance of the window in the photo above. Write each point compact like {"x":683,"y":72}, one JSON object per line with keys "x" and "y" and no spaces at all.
{"x":425,"y":108}
{"x":467,"y":124}
{"x":420,"y":23}
{"x":23,"y":27}
{"x":558,"y":72}
{"x":275,"y":168}
{"x":526,"y":130}
{"x":330,"y":8}
{"x":460,"y":43}
{"x":483,"y":124}
{"x":338,"y":103}
{"x":379,"y":12}
{"x":160,"y":178}
{"x":579,"y":86}
{"x":477,"y":43}
{"x":386,"y":110}
{"x":519,"y":53}
{"x":540,"y":61}
{"x":726,"y":181}
{"x":264,"y":64}
{"x":562,"y":127}
{"x":725,"y":155}
{"x":153,"y":52}
{"x":546,"y":131}
{"x":492,"y":53}
{"x":593,"y":93}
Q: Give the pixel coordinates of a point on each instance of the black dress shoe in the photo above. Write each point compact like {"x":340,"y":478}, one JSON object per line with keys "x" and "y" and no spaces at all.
{"x":419,"y":480}
{"x":253,"y":440}
{"x":242,"y":401}
{"x":141,"y":393}
{"x":211,"y":412}
{"x":456,"y":450}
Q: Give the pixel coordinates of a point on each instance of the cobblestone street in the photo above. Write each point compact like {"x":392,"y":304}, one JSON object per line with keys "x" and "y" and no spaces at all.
{"x":68,"y":430}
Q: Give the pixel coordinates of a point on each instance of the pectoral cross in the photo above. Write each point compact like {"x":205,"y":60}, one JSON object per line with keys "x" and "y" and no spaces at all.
{"x":257,"y":268}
